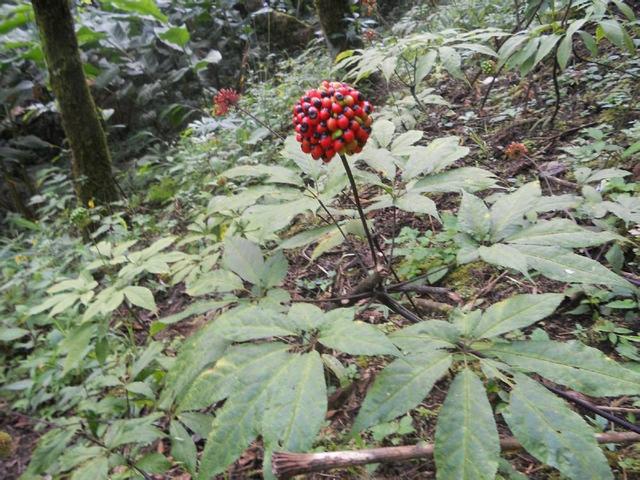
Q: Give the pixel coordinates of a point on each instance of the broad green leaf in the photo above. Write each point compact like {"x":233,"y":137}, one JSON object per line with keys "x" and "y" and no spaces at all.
{"x":504,"y":256}
{"x":427,"y":335}
{"x":633,"y":148}
{"x":153,"y":350}
{"x":473,"y":216}
{"x":176,"y":37}
{"x":75,"y":345}
{"x":251,"y":323}
{"x":140,"y":388}
{"x":402,"y":385}
{"x":407,"y":139}
{"x":561,"y":232}
{"x":518,"y":311}
{"x":471,"y":179}
{"x":298,"y":405}
{"x":589,"y":42}
{"x":417,"y":203}
{"x":96,"y":469}
{"x":199,"y":423}
{"x":508,"y":211}
{"x":275,"y":270}
{"x":559,"y":264}
{"x":424,"y":65}
{"x":614,"y":32}
{"x":306,"y":237}
{"x":383,"y":132}
{"x":11,"y":334}
{"x":143,"y":7}
{"x":140,"y":296}
{"x":553,"y":433}
{"x":565,"y":47}
{"x":200,"y":350}
{"x":435,"y":157}
{"x":238,"y":422}
{"x":183,"y":448}
{"x":306,"y":316}
{"x":50,"y":447}
{"x":451,"y":61}
{"x":467,"y":446}
{"x":154,"y":462}
{"x":355,"y":338}
{"x":573,"y":364}
{"x":381,"y":160}
{"x":197,"y":308}
{"x":216,"y":281}
{"x":244,"y":258}
{"x":222,"y":379}
{"x":134,"y":430}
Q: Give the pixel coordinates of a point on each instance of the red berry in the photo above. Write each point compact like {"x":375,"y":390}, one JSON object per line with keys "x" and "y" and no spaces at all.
{"x":332,"y":124}
{"x":326,"y":142}
{"x":336,"y":108}
{"x":338,"y":145}
{"x":343,"y":122}
{"x":349,"y":100}
{"x":306,"y":146}
{"x":355,"y":126}
{"x":326,"y":102}
{"x":316,"y":153}
{"x":348,"y":136}
{"x":325,"y":114}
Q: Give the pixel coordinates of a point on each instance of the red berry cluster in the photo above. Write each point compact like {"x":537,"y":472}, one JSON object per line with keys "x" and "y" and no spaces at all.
{"x":333,"y":118}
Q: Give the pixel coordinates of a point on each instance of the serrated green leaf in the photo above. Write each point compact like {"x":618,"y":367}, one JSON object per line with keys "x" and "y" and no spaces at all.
{"x":471,"y":179}
{"x":242,"y":324}
{"x":298,"y":405}
{"x":135,"y":430}
{"x":573,"y":364}
{"x":306,"y":316}
{"x":11,"y":334}
{"x":505,"y":256}
{"x":200,"y":350}
{"x":417,"y":203}
{"x":154,"y":462}
{"x":553,"y":433}
{"x":244,"y":258}
{"x":50,"y":446}
{"x":275,"y":270}
{"x":143,"y":7}
{"x":473,"y":216}
{"x":467,"y":446}
{"x":383,"y":132}
{"x":435,"y":157}
{"x":237,"y":423}
{"x":402,"y":385}
{"x":564,"y":266}
{"x":149,"y":355}
{"x":427,"y":335}
{"x":140,"y":388}
{"x":508,"y":211}
{"x":355,"y":338}
{"x":95,"y":469}
{"x":222,"y":379}
{"x":75,"y":345}
{"x":176,"y":37}
{"x":183,"y":448}
{"x":140,"y":296}
{"x":217,"y":281}
{"x":561,"y":232}
{"x":518,"y":311}
{"x":196,"y":308}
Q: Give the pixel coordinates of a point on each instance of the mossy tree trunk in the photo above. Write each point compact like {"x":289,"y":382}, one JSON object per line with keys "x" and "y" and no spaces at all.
{"x":333,"y":16}
{"x":91,"y":161}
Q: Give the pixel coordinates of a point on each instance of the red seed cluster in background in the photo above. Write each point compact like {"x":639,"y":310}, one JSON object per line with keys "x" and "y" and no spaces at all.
{"x":334,"y":118}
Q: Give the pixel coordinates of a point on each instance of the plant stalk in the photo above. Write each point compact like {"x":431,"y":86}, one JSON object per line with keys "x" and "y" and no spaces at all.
{"x":363,"y":219}
{"x":286,"y":464}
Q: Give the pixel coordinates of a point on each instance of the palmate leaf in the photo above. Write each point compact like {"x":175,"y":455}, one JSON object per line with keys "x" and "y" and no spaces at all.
{"x":573,"y":364}
{"x":235,"y":425}
{"x":467,"y":446}
{"x":553,"y":433}
{"x":402,"y":385}
{"x":518,"y":311}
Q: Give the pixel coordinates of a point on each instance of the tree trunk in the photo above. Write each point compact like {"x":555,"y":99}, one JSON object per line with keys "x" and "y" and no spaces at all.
{"x":333,"y":16}
{"x":91,"y":161}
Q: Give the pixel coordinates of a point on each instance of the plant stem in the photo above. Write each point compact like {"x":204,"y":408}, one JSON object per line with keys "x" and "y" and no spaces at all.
{"x":363,"y":219}
{"x":260,"y":122}
{"x":286,"y":464}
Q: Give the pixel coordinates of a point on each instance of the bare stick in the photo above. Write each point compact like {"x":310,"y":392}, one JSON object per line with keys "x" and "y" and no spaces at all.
{"x":286,"y":464}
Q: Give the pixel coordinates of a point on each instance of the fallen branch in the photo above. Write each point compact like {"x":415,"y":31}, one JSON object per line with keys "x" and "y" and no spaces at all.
{"x":287,"y":464}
